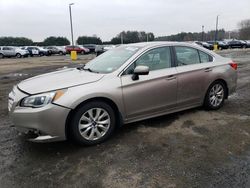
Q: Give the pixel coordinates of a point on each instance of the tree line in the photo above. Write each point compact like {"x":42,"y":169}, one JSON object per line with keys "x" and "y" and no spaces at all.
{"x":195,"y":36}
{"x":126,"y":37}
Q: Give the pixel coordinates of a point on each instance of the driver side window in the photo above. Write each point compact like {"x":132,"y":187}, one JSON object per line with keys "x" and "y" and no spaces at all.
{"x":155,"y":59}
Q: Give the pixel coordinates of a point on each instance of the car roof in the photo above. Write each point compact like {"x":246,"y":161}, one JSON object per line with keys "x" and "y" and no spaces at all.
{"x":158,"y":43}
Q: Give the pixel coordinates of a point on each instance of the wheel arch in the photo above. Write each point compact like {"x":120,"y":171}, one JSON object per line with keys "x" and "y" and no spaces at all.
{"x":110,"y":102}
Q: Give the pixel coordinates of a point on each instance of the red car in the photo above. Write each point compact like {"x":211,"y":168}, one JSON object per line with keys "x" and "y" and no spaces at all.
{"x":78,"y":49}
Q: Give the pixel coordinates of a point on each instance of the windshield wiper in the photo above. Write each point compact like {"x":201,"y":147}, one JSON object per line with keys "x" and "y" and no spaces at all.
{"x":80,"y":68}
{"x":87,"y":69}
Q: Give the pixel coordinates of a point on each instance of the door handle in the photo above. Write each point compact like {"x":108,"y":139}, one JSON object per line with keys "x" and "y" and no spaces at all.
{"x":208,"y":69}
{"x":171,"y":77}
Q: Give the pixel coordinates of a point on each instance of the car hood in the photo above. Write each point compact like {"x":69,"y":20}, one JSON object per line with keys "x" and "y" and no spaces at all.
{"x":57,"y":80}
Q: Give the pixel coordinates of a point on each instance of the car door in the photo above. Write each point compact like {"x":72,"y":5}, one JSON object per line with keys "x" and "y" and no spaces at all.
{"x":12,"y":51}
{"x":7,"y":51}
{"x":193,"y":69}
{"x":35,"y":51}
{"x":153,"y":93}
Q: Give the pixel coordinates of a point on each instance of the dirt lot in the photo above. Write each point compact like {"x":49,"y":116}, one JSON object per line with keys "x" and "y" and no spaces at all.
{"x":194,"y":148}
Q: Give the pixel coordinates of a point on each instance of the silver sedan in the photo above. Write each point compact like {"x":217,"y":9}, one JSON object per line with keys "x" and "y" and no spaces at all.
{"x":125,"y":84}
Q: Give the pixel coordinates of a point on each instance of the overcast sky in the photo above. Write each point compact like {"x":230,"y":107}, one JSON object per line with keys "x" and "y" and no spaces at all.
{"x":38,"y":19}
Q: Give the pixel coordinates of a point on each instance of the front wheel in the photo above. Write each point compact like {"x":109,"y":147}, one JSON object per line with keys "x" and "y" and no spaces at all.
{"x":18,"y":55}
{"x":92,"y":123}
{"x":215,"y":96}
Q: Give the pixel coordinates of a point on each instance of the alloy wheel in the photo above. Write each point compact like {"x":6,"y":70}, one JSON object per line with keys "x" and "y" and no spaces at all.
{"x":216,"y":95}
{"x":94,"y":123}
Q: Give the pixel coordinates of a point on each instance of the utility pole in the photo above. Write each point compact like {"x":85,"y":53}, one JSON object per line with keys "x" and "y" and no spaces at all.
{"x":121,"y":38}
{"x":71,"y":25}
{"x":216,"y":30}
{"x":202,"y":34}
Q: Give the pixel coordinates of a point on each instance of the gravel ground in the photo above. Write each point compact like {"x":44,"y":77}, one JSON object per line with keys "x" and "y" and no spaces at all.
{"x":193,"y":148}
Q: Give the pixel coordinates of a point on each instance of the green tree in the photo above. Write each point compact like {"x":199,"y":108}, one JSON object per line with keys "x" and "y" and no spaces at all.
{"x":183,"y":36}
{"x":15,"y":41}
{"x":88,"y":40}
{"x":132,"y":37}
{"x":56,"y":41}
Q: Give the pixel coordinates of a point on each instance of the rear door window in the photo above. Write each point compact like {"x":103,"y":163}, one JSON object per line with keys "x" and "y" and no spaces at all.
{"x":186,"y":55}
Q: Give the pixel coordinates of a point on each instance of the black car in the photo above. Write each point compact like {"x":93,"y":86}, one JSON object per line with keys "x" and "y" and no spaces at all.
{"x":91,"y":47}
{"x":237,"y":44}
{"x":205,"y":45}
{"x":221,"y":45}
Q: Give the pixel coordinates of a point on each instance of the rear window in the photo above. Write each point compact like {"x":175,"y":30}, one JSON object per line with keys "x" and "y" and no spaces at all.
{"x":204,"y":57}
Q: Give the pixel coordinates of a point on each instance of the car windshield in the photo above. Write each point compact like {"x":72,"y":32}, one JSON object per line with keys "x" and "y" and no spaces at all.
{"x":112,"y":59}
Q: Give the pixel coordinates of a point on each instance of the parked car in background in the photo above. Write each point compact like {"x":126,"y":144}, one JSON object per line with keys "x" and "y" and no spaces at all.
{"x":91,"y":47}
{"x":21,"y":53}
{"x":43,"y":51}
{"x":205,"y":45}
{"x":103,"y":48}
{"x":33,"y":51}
{"x":78,"y":49}
{"x":10,"y":51}
{"x":99,"y":49}
{"x":248,"y":43}
{"x":221,"y":45}
{"x":36,"y":51}
{"x":56,"y":50}
{"x":237,"y":44}
{"x":126,"y":84}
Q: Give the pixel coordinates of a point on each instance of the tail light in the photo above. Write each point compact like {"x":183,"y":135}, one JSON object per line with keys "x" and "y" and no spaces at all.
{"x":233,"y":65}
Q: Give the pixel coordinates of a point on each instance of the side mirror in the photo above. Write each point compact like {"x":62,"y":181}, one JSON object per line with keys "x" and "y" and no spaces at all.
{"x":140,"y":70}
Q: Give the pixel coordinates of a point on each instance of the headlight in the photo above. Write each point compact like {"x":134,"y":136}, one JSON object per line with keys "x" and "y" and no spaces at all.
{"x":41,"y":100}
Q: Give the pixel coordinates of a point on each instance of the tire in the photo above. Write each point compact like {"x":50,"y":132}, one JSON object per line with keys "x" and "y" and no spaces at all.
{"x":215,"y":96}
{"x":244,"y":46}
{"x":42,"y":54}
{"x":1,"y":56}
{"x":60,"y":53}
{"x":82,"y":52}
{"x":18,"y":55}
{"x":92,"y":132}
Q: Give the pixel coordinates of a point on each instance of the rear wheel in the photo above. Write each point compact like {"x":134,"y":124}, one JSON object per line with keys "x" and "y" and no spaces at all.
{"x":215,"y":96}
{"x":92,"y":123}
{"x":1,"y":56}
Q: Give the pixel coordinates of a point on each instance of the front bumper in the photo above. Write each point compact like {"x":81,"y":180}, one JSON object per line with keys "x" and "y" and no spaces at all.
{"x":48,"y":121}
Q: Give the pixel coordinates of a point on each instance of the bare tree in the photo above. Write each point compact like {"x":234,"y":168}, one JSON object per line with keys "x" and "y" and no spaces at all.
{"x":244,"y":29}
